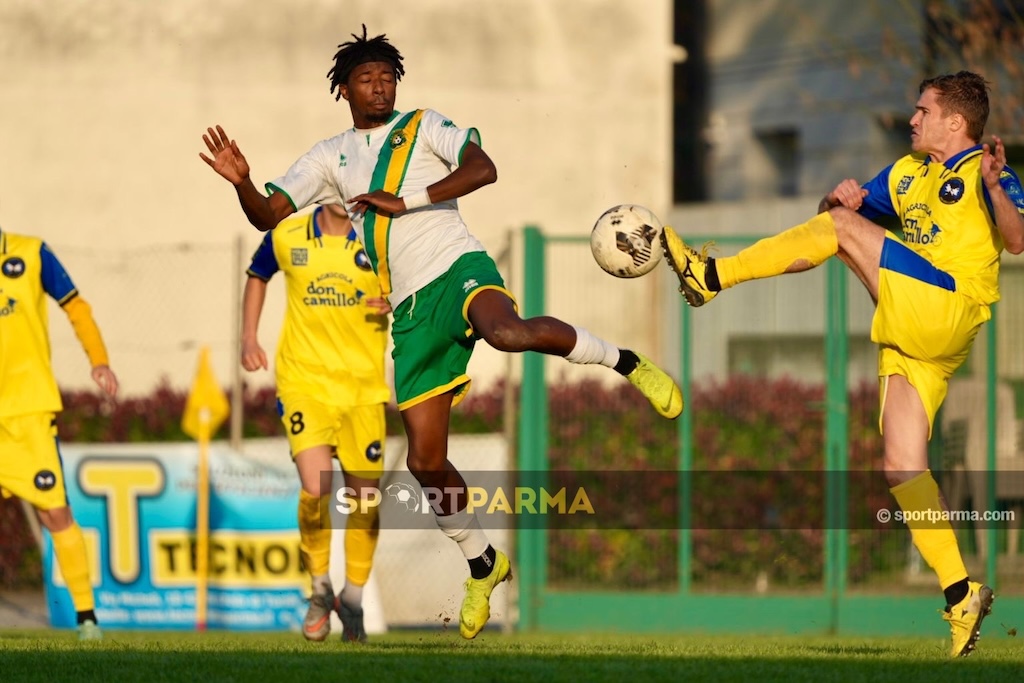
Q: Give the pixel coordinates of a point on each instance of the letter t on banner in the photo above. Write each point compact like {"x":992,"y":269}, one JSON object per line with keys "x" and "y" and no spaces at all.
{"x":205,"y":409}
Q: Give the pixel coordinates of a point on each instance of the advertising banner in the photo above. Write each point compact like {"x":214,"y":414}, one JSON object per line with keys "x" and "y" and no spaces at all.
{"x":136,"y":504}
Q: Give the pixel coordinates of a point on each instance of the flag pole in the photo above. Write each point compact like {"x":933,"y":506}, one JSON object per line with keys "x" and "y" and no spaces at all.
{"x":206,"y":408}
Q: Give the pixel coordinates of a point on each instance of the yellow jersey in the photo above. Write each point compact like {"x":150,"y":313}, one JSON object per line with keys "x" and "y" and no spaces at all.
{"x":332,"y":345}
{"x":29,"y":271}
{"x":947,"y":216}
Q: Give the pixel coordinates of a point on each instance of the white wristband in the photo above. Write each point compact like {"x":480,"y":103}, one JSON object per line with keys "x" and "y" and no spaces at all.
{"x":416,"y":200}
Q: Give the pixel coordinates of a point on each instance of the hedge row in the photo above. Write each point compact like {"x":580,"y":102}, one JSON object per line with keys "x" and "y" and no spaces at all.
{"x":747,"y":431}
{"x":758,"y":509}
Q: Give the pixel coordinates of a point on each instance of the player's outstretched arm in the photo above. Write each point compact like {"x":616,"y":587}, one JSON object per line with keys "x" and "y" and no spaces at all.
{"x":228,"y":161}
{"x":253,"y":355}
{"x":474,"y":171}
{"x":1007,"y":216}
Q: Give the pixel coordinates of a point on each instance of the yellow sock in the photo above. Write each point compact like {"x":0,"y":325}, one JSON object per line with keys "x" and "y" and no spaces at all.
{"x":360,"y":543}
{"x":314,"y":536}
{"x":69,"y":547}
{"x":934,"y":538}
{"x":807,"y":244}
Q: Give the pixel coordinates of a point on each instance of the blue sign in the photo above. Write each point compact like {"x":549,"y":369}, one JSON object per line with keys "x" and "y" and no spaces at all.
{"x":136,"y":505}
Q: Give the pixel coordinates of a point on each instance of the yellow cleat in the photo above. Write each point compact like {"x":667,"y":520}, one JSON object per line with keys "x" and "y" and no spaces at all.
{"x":689,"y":267}
{"x":965,"y":618}
{"x":660,"y":389}
{"x":476,"y":606}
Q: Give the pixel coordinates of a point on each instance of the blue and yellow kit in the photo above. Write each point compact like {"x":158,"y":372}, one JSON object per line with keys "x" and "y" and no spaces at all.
{"x":29,"y":272}
{"x":946,"y":214}
{"x":30,"y":466}
{"x":937,"y":283}
{"x":332,"y":346}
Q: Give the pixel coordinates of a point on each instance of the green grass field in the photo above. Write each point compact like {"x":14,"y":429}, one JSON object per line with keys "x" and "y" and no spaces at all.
{"x":442,"y":656}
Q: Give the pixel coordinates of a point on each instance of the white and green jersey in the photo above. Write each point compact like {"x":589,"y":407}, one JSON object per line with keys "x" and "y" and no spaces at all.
{"x":409,"y":153}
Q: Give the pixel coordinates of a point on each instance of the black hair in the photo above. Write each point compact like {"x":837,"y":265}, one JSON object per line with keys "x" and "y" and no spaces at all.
{"x":360,"y":51}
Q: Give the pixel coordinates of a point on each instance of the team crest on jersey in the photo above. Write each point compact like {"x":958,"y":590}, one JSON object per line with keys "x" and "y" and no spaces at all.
{"x":904,"y":184}
{"x":13,"y":267}
{"x":362,"y":260}
{"x":300,"y":256}
{"x":374,"y":451}
{"x":398,"y":139}
{"x":447,"y":123}
{"x":8,"y":308}
{"x":45,"y":480}
{"x":952,"y":191}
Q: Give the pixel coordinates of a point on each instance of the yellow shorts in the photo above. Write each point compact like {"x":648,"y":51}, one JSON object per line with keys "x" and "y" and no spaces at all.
{"x":923,"y":326}
{"x":30,"y":465}
{"x":356,"y":434}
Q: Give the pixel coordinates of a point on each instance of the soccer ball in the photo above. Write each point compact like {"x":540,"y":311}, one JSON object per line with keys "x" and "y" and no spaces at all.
{"x":625,"y":239}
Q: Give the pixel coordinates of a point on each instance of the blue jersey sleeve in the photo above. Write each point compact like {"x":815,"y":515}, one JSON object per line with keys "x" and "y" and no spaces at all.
{"x":56,"y":281}
{"x":264,"y":263}
{"x":1011,"y":184}
{"x":878,"y":202}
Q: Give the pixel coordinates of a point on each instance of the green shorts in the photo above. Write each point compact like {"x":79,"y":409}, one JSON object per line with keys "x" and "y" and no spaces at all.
{"x":432,"y":334}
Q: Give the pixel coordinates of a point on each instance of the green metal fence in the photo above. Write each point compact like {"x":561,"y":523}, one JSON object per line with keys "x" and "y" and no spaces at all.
{"x":882,"y":599}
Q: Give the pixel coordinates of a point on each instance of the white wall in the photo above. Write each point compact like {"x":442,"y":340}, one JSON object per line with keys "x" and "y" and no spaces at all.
{"x":105,"y":102}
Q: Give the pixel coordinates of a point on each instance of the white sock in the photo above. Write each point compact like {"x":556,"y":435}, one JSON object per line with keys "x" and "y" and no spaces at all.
{"x":352,"y":595}
{"x":464,"y":528}
{"x":322,"y":584}
{"x":590,"y":350}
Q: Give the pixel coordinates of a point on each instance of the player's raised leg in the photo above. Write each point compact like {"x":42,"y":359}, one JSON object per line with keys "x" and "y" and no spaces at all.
{"x":800,"y":248}
{"x":494,"y":317}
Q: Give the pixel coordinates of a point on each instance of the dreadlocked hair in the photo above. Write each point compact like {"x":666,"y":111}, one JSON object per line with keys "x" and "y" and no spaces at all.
{"x":360,"y":51}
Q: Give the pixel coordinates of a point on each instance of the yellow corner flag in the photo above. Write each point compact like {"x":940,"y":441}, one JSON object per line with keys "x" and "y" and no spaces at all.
{"x":205,"y":411}
{"x":206,"y":407}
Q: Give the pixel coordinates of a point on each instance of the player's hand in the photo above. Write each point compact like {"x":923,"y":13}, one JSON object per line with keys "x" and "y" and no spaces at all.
{"x":848,"y":193}
{"x":253,"y":356}
{"x":227,"y":158}
{"x":106,"y":379}
{"x":379,"y":304}
{"x":378,"y":199}
{"x":993,"y":159}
